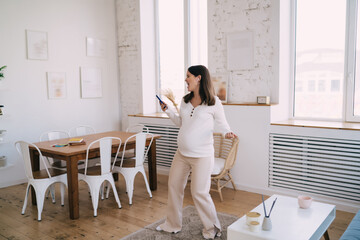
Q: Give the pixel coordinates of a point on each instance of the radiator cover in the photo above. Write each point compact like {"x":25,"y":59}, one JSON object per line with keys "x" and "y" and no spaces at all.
{"x":324,"y":166}
{"x":166,"y":146}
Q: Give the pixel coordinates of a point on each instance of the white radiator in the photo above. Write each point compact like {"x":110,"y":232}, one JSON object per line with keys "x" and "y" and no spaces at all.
{"x":166,"y":146}
{"x":325,"y":166}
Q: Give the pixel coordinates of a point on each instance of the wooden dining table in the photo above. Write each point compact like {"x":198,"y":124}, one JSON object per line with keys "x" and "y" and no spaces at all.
{"x":72,"y":154}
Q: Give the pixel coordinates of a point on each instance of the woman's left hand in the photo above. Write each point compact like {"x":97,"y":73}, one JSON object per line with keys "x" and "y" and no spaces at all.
{"x":230,"y":135}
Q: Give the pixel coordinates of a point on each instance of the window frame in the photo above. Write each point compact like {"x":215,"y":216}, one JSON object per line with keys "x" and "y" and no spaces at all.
{"x":349,"y":63}
{"x":187,"y":44}
{"x":350,"y":60}
{"x":157,"y":42}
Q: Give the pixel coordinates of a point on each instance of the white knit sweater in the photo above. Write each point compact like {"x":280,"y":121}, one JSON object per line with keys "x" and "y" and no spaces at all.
{"x":195,"y":137}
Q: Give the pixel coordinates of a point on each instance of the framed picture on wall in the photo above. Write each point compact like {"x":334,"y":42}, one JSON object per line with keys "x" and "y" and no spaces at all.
{"x":95,"y":47}
{"x":90,"y":82}
{"x":220,"y":82}
{"x":56,"y":84}
{"x":240,"y":50}
{"x":37,"y":45}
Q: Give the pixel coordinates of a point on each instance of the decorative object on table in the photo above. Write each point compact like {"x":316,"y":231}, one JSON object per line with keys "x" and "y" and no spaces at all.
{"x":2,"y":161}
{"x":1,"y":109}
{"x":59,"y":145}
{"x":91,"y":86}
{"x":170,"y":95}
{"x":252,"y":216}
{"x":37,"y":45}
{"x":263,"y":100}
{"x":76,"y":141}
{"x":267,"y":225}
{"x":56,"y":83}
{"x":254,"y":226}
{"x":1,"y":72}
{"x":304,"y":201}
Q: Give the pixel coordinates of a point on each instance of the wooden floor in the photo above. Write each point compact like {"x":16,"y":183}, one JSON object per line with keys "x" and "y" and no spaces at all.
{"x":111,"y":222}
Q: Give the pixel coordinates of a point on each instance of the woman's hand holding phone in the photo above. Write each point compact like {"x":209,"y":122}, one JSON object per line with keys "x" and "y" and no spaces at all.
{"x":162,"y":104}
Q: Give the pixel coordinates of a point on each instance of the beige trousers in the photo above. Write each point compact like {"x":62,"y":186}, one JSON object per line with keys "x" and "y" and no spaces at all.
{"x":201,"y":169}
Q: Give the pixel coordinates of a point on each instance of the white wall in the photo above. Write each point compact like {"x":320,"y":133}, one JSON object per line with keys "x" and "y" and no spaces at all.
{"x":129,"y":47}
{"x":251,"y":124}
{"x":148,"y":56}
{"x":28,"y":110}
{"x":283,"y":109}
{"x":137,"y":56}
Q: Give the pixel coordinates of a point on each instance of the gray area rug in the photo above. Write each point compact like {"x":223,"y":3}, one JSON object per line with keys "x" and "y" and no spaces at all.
{"x":191,"y":229}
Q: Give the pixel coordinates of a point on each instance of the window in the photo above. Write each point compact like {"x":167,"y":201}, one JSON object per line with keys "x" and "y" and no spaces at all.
{"x":326,"y":85}
{"x":321,"y":85}
{"x":182,"y":42}
{"x":354,"y":79}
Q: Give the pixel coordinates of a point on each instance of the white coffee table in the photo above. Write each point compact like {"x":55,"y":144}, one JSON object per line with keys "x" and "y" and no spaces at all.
{"x":289,"y":221}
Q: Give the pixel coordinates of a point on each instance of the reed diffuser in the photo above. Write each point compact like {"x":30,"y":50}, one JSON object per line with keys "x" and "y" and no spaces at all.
{"x":267,"y":225}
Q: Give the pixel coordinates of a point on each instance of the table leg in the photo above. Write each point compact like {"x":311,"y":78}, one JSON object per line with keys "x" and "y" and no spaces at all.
{"x":326,"y":235}
{"x":35,"y":166}
{"x":152,"y":166}
{"x":73,"y":187}
{"x":115,"y":176}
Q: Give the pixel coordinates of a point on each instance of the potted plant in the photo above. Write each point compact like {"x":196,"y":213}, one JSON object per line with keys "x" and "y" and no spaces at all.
{"x":1,"y":72}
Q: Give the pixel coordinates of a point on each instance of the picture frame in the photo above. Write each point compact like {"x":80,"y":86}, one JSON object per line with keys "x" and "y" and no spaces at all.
{"x":220,"y":82}
{"x":37,"y":45}
{"x":240,"y":50}
{"x":56,"y":85}
{"x":91,"y":85}
{"x":95,"y":47}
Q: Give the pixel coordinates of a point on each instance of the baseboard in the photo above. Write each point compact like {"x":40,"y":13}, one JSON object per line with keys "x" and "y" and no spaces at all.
{"x":12,"y":183}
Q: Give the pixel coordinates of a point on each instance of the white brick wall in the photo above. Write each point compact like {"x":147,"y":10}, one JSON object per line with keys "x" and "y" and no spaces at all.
{"x":228,"y":16}
{"x":128,"y":24}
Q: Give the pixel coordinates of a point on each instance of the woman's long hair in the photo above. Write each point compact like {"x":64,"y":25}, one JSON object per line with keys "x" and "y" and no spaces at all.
{"x":206,"y":90}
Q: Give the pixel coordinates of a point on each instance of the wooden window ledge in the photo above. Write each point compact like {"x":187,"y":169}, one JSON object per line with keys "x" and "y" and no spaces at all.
{"x":150,"y":115}
{"x":319,"y":124}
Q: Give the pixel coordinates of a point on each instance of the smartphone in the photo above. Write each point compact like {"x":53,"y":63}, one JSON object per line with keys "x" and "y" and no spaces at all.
{"x":160,"y":99}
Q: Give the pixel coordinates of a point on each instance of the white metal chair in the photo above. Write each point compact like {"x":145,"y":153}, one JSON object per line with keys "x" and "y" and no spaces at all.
{"x":54,"y":135}
{"x":129,"y":167}
{"x":136,"y":128}
{"x":97,"y":175}
{"x":40,"y":180}
{"x":54,"y":163}
{"x":81,"y":130}
{"x":225,"y":156}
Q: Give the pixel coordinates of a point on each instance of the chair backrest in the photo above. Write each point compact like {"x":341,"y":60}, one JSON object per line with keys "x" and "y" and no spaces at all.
{"x":105,"y":153}
{"x":138,"y":128}
{"x":226,"y":149}
{"x":81,"y":131}
{"x":141,"y":150}
{"x":22,"y":148}
{"x":53,"y":135}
